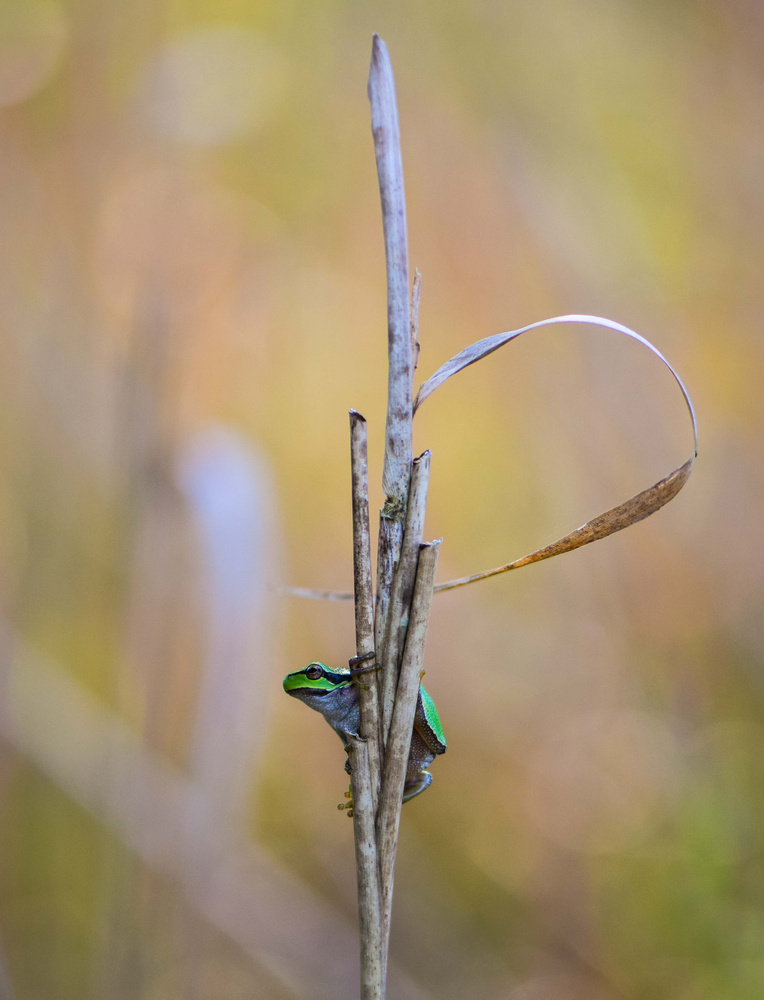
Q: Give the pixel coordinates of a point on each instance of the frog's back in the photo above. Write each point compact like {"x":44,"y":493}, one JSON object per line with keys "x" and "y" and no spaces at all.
{"x":427,"y":723}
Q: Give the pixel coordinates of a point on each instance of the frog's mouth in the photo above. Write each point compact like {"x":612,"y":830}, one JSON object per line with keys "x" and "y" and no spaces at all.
{"x":313,"y":692}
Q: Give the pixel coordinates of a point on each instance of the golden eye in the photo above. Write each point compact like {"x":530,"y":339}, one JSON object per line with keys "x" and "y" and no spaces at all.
{"x":313,"y":672}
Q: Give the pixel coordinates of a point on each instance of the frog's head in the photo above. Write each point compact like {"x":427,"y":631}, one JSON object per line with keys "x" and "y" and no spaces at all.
{"x":326,"y":689}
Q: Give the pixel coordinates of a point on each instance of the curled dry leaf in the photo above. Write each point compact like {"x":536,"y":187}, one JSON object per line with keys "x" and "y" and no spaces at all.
{"x":634,"y":509}
{"x":482,"y":348}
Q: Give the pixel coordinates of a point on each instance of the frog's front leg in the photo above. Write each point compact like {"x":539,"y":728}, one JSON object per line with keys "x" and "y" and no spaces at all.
{"x":356,"y":670}
{"x":416,"y":785}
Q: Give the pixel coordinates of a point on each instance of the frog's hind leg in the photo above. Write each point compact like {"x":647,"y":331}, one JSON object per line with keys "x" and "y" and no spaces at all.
{"x":416,"y":785}
{"x":417,"y":776}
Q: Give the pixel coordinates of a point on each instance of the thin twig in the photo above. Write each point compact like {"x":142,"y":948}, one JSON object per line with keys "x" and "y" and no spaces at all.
{"x":313,"y":595}
{"x":403,"y":586}
{"x":399,"y":741}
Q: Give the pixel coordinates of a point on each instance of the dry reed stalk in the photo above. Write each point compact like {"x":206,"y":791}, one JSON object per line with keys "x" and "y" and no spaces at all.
{"x":399,"y":740}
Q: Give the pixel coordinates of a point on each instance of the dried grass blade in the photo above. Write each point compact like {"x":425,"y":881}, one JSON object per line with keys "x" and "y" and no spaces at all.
{"x":634,"y":509}
{"x":482,"y":348}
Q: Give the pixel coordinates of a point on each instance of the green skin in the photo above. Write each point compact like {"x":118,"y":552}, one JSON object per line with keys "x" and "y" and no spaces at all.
{"x":332,"y":692}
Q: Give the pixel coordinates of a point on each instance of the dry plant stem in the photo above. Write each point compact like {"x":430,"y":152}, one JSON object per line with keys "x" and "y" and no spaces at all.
{"x":399,"y":741}
{"x":398,"y":449}
{"x":403,"y":586}
{"x":365,"y":753}
{"x":387,"y":151}
{"x":388,"y":553}
{"x":364,"y":598}
{"x":369,"y":909}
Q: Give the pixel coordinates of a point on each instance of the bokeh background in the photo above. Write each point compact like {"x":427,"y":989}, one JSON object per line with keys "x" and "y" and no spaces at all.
{"x":192,"y":296}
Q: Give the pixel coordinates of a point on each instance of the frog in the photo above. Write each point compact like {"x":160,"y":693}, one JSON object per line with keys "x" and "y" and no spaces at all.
{"x":333,"y":691}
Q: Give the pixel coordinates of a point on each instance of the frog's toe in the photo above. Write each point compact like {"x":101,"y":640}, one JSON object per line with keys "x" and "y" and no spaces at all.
{"x":415,"y":786}
{"x":347,"y":805}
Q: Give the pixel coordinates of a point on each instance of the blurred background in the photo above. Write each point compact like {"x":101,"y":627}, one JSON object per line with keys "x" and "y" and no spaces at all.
{"x":192,"y":295}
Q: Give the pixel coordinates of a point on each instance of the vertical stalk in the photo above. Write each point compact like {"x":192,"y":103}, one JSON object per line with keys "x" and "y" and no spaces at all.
{"x":365,"y":757}
{"x":388,"y":555}
{"x":370,"y":926}
{"x":399,"y":741}
{"x":398,"y":448}
{"x":364,"y":599}
{"x":403,"y":586}
{"x":397,"y":559}
{"x":387,"y":151}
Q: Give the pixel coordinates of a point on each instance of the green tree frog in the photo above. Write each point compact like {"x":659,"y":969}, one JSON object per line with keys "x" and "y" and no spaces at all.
{"x":332,"y":692}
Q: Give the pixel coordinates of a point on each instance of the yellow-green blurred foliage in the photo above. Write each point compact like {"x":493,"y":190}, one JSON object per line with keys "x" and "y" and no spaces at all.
{"x":192,"y":296}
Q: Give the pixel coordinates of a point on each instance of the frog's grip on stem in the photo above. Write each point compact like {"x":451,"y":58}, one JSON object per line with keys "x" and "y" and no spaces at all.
{"x":343,"y":806}
{"x":355,"y":673}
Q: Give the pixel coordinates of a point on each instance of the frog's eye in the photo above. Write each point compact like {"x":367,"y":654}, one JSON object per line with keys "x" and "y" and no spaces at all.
{"x":313,"y":672}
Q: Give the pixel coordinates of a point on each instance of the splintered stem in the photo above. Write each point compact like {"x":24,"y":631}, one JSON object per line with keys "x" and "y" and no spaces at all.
{"x":399,"y":741}
{"x":364,"y":598}
{"x":403,"y":586}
